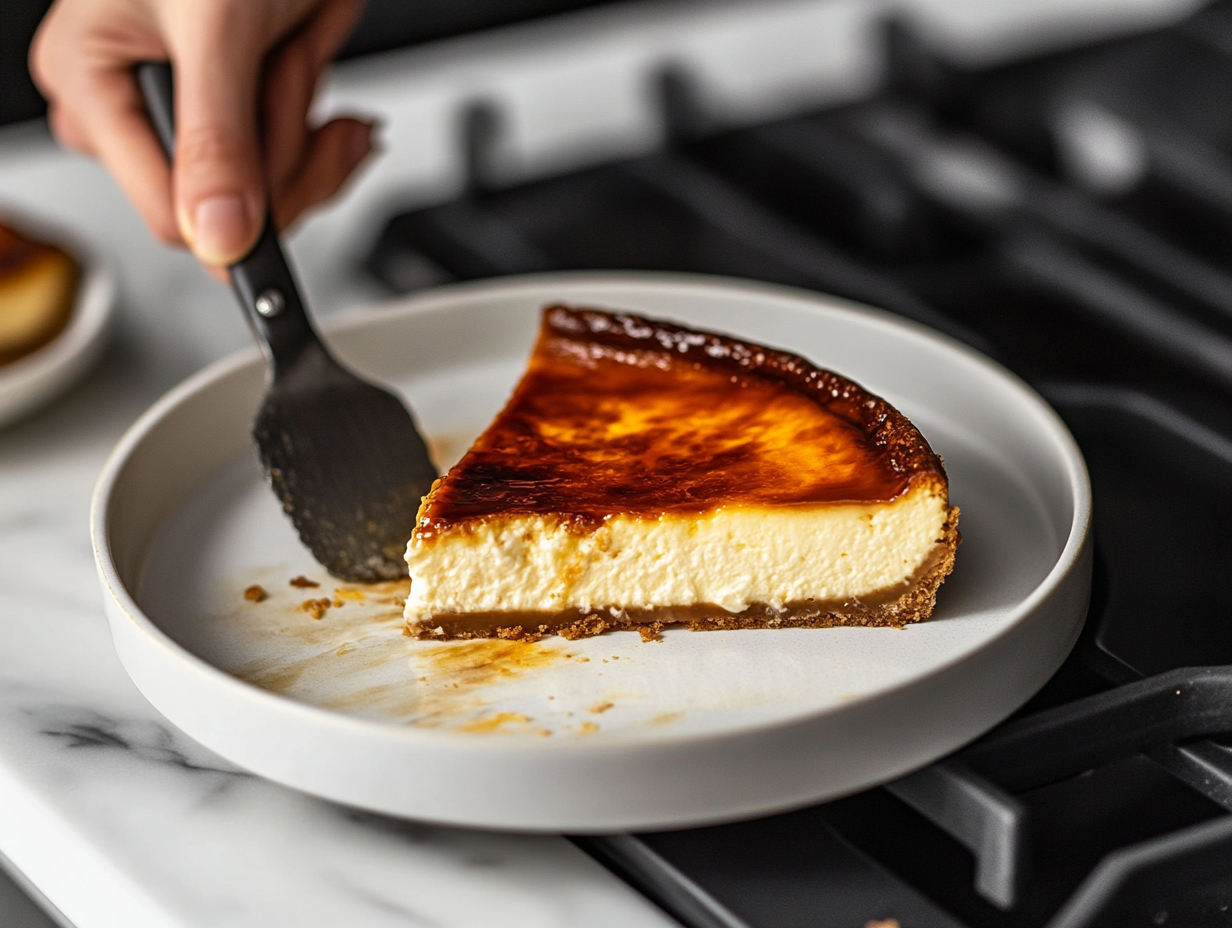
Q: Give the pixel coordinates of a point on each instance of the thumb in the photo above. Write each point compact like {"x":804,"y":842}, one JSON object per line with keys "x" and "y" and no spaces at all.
{"x":220,"y":197}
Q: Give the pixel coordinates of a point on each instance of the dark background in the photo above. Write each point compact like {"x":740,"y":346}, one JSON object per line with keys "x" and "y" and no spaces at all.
{"x":386,"y":24}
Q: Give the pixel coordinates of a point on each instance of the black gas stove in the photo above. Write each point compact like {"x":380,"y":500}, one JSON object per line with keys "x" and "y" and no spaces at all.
{"x":1072,"y":217}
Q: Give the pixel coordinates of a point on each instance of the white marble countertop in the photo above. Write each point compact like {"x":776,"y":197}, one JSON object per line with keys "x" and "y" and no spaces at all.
{"x":107,"y":812}
{"x":111,"y":814}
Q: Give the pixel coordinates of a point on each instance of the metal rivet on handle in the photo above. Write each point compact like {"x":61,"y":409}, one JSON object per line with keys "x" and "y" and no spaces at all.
{"x":270,"y":303}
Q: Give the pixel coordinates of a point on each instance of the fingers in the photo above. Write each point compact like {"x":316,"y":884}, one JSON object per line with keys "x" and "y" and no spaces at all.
{"x":66,"y":130}
{"x":334,"y":152}
{"x":115,"y":129}
{"x":235,"y":138}
{"x":219,"y":190}
{"x":95,"y":106}
{"x":290,"y":82}
{"x":326,"y":31}
{"x":304,"y":167}
{"x":121,"y":136}
{"x":220,"y":178}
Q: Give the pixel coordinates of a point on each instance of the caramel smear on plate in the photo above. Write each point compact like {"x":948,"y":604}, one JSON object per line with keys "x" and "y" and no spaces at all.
{"x":357,"y":661}
{"x":483,"y":661}
{"x":495,"y":722}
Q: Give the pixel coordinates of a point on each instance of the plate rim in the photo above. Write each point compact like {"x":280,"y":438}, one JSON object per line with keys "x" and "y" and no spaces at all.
{"x":1065,"y":584}
{"x":426,"y":301}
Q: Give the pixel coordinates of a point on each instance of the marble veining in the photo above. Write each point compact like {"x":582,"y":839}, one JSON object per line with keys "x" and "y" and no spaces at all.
{"x":80,"y":729}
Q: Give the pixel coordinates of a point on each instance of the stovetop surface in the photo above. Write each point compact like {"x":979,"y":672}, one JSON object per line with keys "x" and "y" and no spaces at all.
{"x":1070,"y":215}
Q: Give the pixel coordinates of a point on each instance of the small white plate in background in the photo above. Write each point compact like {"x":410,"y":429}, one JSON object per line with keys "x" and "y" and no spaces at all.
{"x":39,"y":377}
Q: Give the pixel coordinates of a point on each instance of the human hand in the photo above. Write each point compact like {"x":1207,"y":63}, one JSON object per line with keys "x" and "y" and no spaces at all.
{"x":245,"y":75}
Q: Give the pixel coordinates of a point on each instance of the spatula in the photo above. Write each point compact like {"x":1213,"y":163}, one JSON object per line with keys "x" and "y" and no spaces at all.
{"x":342,"y":455}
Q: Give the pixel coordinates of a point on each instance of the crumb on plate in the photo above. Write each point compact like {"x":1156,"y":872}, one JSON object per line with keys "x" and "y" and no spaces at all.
{"x":315,"y":607}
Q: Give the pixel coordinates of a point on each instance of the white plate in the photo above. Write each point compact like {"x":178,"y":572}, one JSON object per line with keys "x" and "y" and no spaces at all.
{"x":610,"y":732}
{"x":37,"y":378}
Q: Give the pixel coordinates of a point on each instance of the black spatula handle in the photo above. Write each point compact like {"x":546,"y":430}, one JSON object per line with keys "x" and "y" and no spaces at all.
{"x":262,"y":279}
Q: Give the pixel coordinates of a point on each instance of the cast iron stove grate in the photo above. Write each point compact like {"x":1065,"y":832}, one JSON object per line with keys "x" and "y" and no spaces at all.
{"x":1071,"y":216}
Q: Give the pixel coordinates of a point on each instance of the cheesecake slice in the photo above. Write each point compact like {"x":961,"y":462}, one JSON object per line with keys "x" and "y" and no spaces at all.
{"x":645,"y":475}
{"x":37,"y":286}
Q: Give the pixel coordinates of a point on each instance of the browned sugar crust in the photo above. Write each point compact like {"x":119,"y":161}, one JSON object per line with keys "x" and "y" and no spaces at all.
{"x":719,"y":422}
{"x":912,"y":601}
{"x":901,"y":443}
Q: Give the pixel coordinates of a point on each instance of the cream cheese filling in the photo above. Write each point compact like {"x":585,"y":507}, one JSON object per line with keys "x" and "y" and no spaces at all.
{"x":733,"y":557}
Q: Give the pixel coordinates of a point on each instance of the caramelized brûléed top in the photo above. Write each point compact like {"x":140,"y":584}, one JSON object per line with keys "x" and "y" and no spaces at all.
{"x":617,"y":414}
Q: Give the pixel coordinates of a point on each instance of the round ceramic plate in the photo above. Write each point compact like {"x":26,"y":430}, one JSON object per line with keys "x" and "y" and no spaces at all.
{"x":609,"y":732}
{"x":37,"y":378}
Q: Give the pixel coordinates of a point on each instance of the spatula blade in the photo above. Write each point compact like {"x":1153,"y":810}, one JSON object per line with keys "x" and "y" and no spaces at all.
{"x":342,"y":455}
{"x":346,"y":461}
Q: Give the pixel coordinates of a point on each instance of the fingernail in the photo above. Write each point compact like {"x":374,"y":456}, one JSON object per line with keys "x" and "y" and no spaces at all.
{"x":221,"y":227}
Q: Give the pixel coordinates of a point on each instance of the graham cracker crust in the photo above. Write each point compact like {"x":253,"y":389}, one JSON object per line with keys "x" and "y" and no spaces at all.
{"x":910,"y":602}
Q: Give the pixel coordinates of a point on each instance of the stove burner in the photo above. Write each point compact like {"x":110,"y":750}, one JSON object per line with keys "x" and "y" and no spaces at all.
{"x":1071,"y":216}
